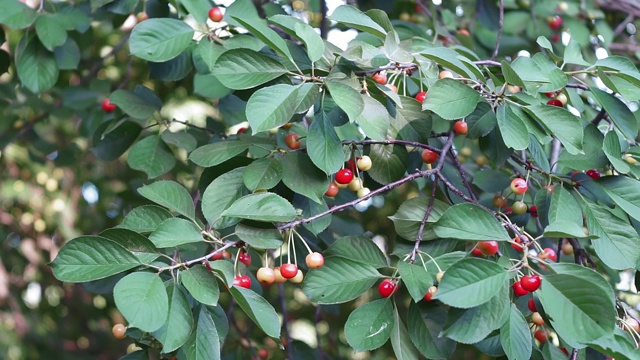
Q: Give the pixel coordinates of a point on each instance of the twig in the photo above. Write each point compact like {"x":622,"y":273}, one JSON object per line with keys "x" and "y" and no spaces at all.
{"x":200,"y":259}
{"x":324,"y":25}
{"x":388,"y":67}
{"x":416,"y":247}
{"x":458,"y":166}
{"x":394,"y":142}
{"x":620,"y":28}
{"x":580,"y":255}
{"x":487,"y":63}
{"x":599,"y":117}
{"x":574,"y":354}
{"x":500,"y":27}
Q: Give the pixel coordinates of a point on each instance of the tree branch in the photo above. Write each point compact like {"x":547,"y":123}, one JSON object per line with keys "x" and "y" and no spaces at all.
{"x":412,"y":259}
{"x":500,"y":27}
{"x":463,"y":176}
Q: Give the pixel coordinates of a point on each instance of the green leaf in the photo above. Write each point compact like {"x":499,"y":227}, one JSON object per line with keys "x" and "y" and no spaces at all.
{"x":390,"y":161}
{"x":141,"y":103}
{"x":258,"y":28}
{"x":311,"y":39}
{"x":374,"y":119}
{"x":593,"y":157}
{"x":624,"y":191}
{"x":574,"y":316}
{"x":515,"y":336}
{"x":617,"y":344}
{"x":619,"y":113}
{"x":401,"y":343}
{"x":410,"y":214}
{"x":160,"y":39}
{"x":67,"y":55}
{"x":152,"y":156}
{"x":271,"y":106}
{"x":470,"y":222}
{"x":425,"y":322}
{"x":205,"y":55}
{"x":258,"y":309}
{"x":171,"y":195}
{"x":87,"y":258}
{"x":573,"y":54}
{"x":176,"y":330}
{"x":310,"y":208}
{"x":225,"y":270}
{"x":370,"y":325}
{"x":324,"y":146}
{"x":491,"y":180}
{"x":198,"y":9}
{"x":109,"y":145}
{"x":241,"y":8}
{"x":359,"y":249}
{"x":617,"y":242}
{"x":339,"y":280}
{"x":510,"y":76}
{"x":201,"y":284}
{"x":204,"y":342}
{"x":16,"y":14}
{"x":142,"y":300}
{"x":303,"y":177}
{"x":51,"y":31}
{"x":137,"y":244}
{"x":261,"y":207}
{"x":145,"y":219}
{"x":308,"y":94}
{"x":451,"y":99}
{"x":215,"y":154}
{"x":175,"y":232}
{"x":181,"y":139}
{"x":561,"y":123}
{"x":262,"y":174}
{"x":513,"y":130}
{"x":613,"y":151}
{"x":356,"y":19}
{"x":408,"y":122}
{"x":564,"y":207}
{"x":416,"y":278}
{"x":471,"y":282}
{"x":259,"y":238}
{"x":220,"y":194}
{"x":37,"y":67}
{"x":347,"y":98}
{"x":244,"y":69}
{"x":563,"y":229}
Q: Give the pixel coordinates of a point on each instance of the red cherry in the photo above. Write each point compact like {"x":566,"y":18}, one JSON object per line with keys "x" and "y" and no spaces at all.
{"x":221,"y":255}
{"x":548,"y":253}
{"x":242,"y":281}
{"x":245,"y":258}
{"x":215,"y":14}
{"x":518,"y":290}
{"x":593,"y":173}
{"x":314,"y":260}
{"x":549,"y":94}
{"x":460,"y":128}
{"x":531,"y":304}
{"x":107,"y":106}
{"x":263,"y":354}
{"x":289,"y":271}
{"x":533,"y":210}
{"x":332,"y":190}
{"x":530,"y":283}
{"x":555,"y":22}
{"x":519,"y":186}
{"x":266,"y":275}
{"x":429,"y":156}
{"x":421,"y":96}
{"x":431,"y":292}
{"x":380,"y":78}
{"x":293,"y":141}
{"x":476,"y":252}
{"x":488,"y":248}
{"x":387,"y":287}
{"x":352,"y":164}
{"x":555,"y":102}
{"x":241,"y":130}
{"x":344,"y":176}
{"x":540,"y":335}
{"x":517,"y":244}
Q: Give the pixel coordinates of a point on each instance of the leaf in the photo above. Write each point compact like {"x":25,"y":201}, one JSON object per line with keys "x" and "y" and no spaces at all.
{"x":135,"y":243}
{"x":593,"y":157}
{"x":171,"y":195}
{"x":261,"y":207}
{"x":563,"y":229}
{"x":215,"y":154}
{"x":142,"y":300}
{"x":220,"y":194}
{"x":259,"y":238}
{"x":311,"y":208}
{"x":471,"y":282}
{"x":617,"y":243}
{"x":515,"y":336}
{"x":450,"y":59}
{"x":152,"y":156}
{"x":470,"y":222}
{"x":619,"y":113}
{"x":262,"y":174}
{"x":271,"y":106}
{"x":561,"y":123}
{"x":616,"y":344}
{"x":176,"y":330}
{"x":67,"y":55}
{"x":198,"y":9}
{"x":613,"y":152}
{"x":425,"y":322}
{"x":312,"y":41}
{"x":374,"y":119}
{"x":87,"y":258}
{"x":451,"y":99}
{"x":513,"y":130}
{"x":175,"y":232}
{"x":201,"y":284}
{"x":16,"y":15}
{"x":347,"y":98}
{"x":244,"y":69}
{"x":324,"y":146}
{"x":225,"y":270}
{"x":258,"y":28}
{"x":110,"y":145}
{"x":624,"y":191}
{"x":204,"y":342}
{"x":400,"y":341}
{"x":181,"y":139}
{"x":303,"y":177}
{"x":51,"y":31}
{"x":359,"y":249}
{"x":339,"y":280}
{"x":573,"y":54}
{"x":36,"y":66}
{"x":574,"y":316}
{"x":564,"y":207}
{"x":370,"y":325}
{"x":145,"y":219}
{"x":390,"y":161}
{"x":356,"y":19}
{"x":258,"y":309}
{"x":141,"y":103}
{"x":160,"y":39}
{"x":410,"y":214}
{"x":416,"y":278}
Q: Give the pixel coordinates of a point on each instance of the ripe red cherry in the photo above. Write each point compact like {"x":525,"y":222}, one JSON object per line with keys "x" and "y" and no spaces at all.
{"x":344,"y":176}
{"x":540,"y":335}
{"x":531,"y":304}
{"x":476,"y":252}
{"x":518,"y":245}
{"x":245,"y":258}
{"x":431,"y":292}
{"x":429,"y":156}
{"x":555,"y":102}
{"x":293,"y":141}
{"x":241,"y":130}
{"x":221,"y":255}
{"x":593,"y":173}
{"x":215,"y":14}
{"x":242,"y":281}
{"x":530,"y":282}
{"x":519,"y":186}
{"x":548,"y":253}
{"x":555,"y":22}
{"x":518,"y":290}
{"x":421,"y":96}
{"x":332,"y":190}
{"x":107,"y":106}
{"x":488,"y":248}
{"x":460,"y":128}
{"x":387,"y":287}
{"x":533,"y":210}
{"x":314,"y":260}
{"x":380,"y":78}
{"x":289,"y":271}
{"x":266,"y":275}
{"x":263,"y":354}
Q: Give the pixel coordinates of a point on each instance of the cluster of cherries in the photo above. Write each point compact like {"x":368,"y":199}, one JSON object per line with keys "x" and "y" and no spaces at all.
{"x":347,"y":178}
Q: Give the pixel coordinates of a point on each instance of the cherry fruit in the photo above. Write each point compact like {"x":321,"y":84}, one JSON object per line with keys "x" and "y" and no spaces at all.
{"x":118,"y":331}
{"x":215,"y":14}
{"x":242,"y":281}
{"x":445,"y":74}
{"x":245,"y":258}
{"x":555,"y":102}
{"x":344,"y":176}
{"x":530,"y":282}
{"x":531,"y":304}
{"x":429,"y":157}
{"x":540,"y":335}
{"x":387,"y":287}
{"x":548,"y":253}
{"x":460,"y":127}
{"x":221,"y":255}
{"x":519,"y":208}
{"x":537,"y":319}
{"x":364,"y":163}
{"x":555,"y":22}
{"x":266,"y":275}
{"x":314,"y":260}
{"x":298,"y":278}
{"x":499,"y":201}
{"x":421,"y":96}
{"x":289,"y":271}
{"x":431,"y":292}
{"x":593,"y":173}
{"x":488,"y":248}
{"x":107,"y":106}
{"x":476,"y":252}
{"x":533,"y":210}
{"x":519,"y":186}
{"x":380,"y":78}
{"x":293,"y":141}
{"x":332,"y":190}
{"x":278,"y":274}
{"x":363,"y":192}
{"x":518,"y":290}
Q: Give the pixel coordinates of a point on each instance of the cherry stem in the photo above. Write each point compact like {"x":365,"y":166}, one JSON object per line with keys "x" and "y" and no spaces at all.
{"x":303,"y":241}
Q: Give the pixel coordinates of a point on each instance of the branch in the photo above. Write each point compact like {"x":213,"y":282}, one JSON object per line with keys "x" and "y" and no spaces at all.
{"x":462,"y":174}
{"x":412,"y":259}
{"x":394,"y":142}
{"x":500,"y":26}
{"x":200,"y":259}
{"x":324,"y":25}
{"x":620,"y":28}
{"x":487,"y":63}
{"x":599,"y":117}
{"x":387,"y":67}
